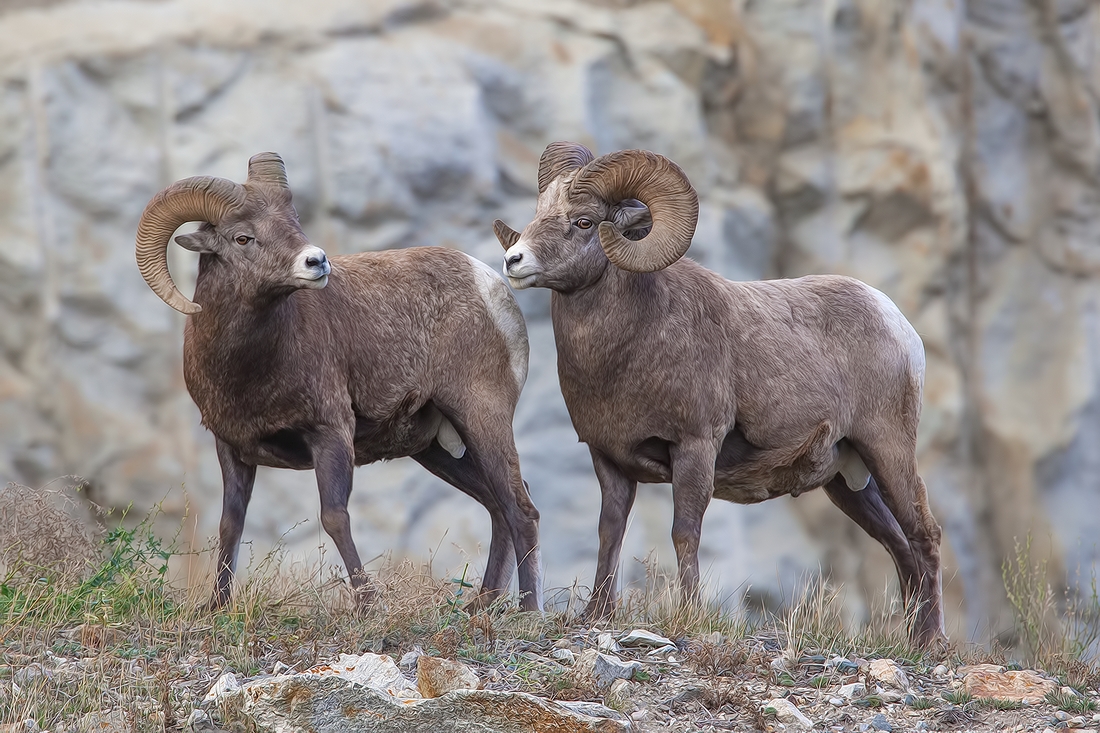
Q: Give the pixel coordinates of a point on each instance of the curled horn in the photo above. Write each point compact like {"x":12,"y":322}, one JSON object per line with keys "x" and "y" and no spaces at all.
{"x":267,"y":168}
{"x":561,"y":157}
{"x":506,"y":234}
{"x":658,"y":183}
{"x":201,"y":198}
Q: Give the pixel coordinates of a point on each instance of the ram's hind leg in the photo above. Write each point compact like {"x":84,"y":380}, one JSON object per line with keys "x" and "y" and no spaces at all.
{"x":494,"y":454}
{"x":462,"y":473}
{"x":867,"y":510}
{"x":893,"y":465}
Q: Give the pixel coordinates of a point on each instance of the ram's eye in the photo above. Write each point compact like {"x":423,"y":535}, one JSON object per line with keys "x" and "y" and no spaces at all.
{"x":584,"y":223}
{"x":243,"y":239}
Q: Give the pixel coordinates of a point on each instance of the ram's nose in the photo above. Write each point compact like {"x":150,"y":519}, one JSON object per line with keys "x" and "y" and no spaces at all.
{"x":317,"y":261}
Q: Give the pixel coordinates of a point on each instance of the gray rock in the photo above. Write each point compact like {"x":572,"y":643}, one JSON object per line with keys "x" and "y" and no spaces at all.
{"x":879,"y":722}
{"x":565,"y":656}
{"x":331,"y":704}
{"x":605,"y":668}
{"x":408,"y":659}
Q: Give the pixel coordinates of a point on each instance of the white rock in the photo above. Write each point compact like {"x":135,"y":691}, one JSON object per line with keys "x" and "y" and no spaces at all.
{"x":643,"y":638}
{"x":853,"y":690}
{"x":838,"y":701}
{"x":662,"y":651}
{"x":565,"y":656}
{"x":377,"y":671}
{"x":786,"y":712}
{"x":198,"y":721}
{"x":889,"y":673}
{"x":281,"y":668}
{"x":225,"y":685}
{"x":606,"y":643}
{"x":940,"y":671}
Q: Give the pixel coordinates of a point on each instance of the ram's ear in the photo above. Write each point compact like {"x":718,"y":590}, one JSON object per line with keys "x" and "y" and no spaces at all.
{"x":195,"y":241}
{"x":632,"y":217}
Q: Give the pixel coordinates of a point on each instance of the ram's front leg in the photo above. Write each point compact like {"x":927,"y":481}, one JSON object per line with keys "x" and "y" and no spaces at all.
{"x":618,"y":494}
{"x":334,"y":463}
{"x":238,"y":478}
{"x":692,"y":488}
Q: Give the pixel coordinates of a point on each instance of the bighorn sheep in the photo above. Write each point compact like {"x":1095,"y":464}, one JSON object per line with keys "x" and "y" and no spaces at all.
{"x":299,"y":361}
{"x":742,"y":391}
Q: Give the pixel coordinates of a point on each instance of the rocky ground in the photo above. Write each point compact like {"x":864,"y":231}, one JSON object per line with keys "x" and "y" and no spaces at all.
{"x":581,"y":680}
{"x":647,"y":682}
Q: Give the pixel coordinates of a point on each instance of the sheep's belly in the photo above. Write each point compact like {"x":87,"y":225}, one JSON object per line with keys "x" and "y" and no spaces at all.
{"x":406,"y":436}
{"x":749,"y":482}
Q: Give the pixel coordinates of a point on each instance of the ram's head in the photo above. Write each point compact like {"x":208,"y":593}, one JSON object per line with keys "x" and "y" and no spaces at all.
{"x":633,"y":208}
{"x":250,"y":230}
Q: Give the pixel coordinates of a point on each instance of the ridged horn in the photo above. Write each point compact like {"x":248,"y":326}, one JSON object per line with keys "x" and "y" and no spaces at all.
{"x":658,"y":183}
{"x":267,"y":168}
{"x":561,"y":157}
{"x":201,"y":198}
{"x":506,"y":234}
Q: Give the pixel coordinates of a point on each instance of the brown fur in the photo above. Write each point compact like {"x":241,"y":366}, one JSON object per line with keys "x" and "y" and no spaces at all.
{"x":352,"y":373}
{"x":737,"y":390}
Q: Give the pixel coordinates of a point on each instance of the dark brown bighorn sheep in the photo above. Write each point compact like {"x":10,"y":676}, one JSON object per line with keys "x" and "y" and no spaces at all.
{"x":741,"y":391}
{"x":299,"y":361}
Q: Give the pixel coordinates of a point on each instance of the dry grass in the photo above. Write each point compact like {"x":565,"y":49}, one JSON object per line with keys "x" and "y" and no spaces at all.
{"x":90,"y":621}
{"x":39,"y":537}
{"x":1058,"y":628}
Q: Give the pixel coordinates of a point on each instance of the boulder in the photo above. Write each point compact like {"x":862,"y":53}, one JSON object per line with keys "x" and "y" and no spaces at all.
{"x":333,"y":704}
{"x":887,"y":672}
{"x":1021,"y":686}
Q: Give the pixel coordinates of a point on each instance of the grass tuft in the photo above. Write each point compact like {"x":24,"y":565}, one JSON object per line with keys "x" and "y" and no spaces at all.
{"x":1077,"y":704}
{"x":1057,"y":628}
{"x":957,"y":697}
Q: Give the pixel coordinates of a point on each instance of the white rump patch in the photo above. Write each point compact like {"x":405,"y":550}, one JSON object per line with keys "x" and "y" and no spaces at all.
{"x":852,"y":468}
{"x":907,"y":337}
{"x":506,"y":315}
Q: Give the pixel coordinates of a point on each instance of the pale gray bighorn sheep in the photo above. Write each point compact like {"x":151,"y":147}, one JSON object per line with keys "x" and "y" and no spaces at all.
{"x":742,"y":391}
{"x":299,"y":361}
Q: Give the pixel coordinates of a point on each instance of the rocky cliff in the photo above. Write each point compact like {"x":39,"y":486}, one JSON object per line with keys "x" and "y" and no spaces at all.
{"x":947,"y":152}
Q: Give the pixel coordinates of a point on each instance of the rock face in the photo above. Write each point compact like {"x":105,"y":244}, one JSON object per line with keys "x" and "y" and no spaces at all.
{"x":947,"y":153}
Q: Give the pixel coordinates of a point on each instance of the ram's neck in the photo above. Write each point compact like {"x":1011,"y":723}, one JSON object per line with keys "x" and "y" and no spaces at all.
{"x":235,"y":345}
{"x":594,"y":327}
